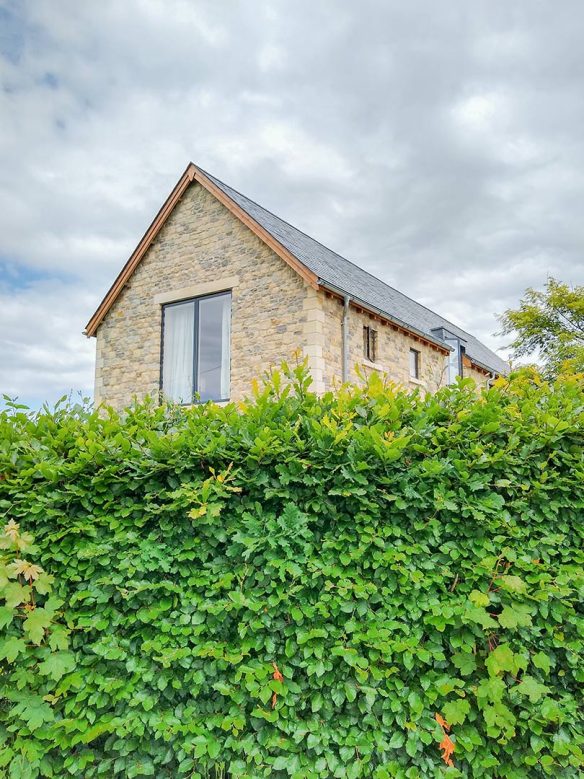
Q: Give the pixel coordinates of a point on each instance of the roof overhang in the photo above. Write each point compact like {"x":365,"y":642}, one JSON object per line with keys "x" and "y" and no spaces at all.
{"x":194,"y":174}
{"x":191,"y":175}
{"x":481,"y":366}
{"x":385,"y":317}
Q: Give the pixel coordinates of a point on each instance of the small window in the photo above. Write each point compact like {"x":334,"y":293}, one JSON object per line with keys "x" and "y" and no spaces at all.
{"x":370,"y":344}
{"x":414,"y":363}
{"x":196,"y":348}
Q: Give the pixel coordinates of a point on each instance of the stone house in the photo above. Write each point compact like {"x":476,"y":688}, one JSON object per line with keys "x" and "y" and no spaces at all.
{"x":219,"y":289}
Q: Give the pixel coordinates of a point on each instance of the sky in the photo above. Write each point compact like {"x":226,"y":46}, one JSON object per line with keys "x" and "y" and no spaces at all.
{"x":438,"y":145}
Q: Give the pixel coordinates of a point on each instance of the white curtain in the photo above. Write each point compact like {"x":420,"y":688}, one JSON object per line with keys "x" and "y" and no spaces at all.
{"x":177,"y":368}
{"x":226,"y":346}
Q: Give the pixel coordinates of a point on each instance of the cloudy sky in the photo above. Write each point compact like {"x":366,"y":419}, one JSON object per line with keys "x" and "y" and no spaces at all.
{"x":439,"y":145}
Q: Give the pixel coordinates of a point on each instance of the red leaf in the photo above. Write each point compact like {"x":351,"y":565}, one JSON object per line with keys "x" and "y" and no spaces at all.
{"x":446,"y":745}
{"x":442,"y":722}
{"x":277,"y":675}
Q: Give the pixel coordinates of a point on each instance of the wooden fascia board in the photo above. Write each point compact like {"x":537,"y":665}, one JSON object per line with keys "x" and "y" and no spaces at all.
{"x":469,"y":362}
{"x":362,"y":308}
{"x":140,"y":250}
{"x":191,"y":174}
{"x":481,"y":368}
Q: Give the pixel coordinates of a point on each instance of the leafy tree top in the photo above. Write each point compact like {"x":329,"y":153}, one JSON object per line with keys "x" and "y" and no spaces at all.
{"x":551,"y":324}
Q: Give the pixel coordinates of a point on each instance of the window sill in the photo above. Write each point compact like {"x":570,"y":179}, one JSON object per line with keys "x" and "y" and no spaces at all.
{"x":376,"y":366}
{"x":417,"y":382}
{"x":193,"y":403}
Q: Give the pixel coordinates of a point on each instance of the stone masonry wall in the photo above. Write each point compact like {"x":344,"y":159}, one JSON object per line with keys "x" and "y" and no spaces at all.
{"x":273,"y":310}
{"x":479,"y":378}
{"x":392,"y":351}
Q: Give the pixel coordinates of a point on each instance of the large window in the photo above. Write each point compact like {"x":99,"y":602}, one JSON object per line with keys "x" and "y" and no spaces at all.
{"x":196,"y":349}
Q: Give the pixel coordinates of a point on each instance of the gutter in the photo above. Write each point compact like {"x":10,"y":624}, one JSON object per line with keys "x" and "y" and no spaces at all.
{"x":374,"y":310}
{"x":484,"y":367}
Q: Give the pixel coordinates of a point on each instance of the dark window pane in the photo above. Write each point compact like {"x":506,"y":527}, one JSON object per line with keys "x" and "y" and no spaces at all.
{"x":214,"y":336}
{"x":414,"y":363}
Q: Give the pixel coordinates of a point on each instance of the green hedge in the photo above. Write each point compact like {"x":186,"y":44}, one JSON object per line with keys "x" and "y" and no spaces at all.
{"x":344,"y":586}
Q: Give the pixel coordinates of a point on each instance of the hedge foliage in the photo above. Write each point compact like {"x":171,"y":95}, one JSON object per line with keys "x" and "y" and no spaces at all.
{"x":365,"y":584}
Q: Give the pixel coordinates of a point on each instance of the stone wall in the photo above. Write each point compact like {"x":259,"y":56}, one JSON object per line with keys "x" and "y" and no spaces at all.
{"x":479,"y":378}
{"x":201,"y":245}
{"x":393,"y":350}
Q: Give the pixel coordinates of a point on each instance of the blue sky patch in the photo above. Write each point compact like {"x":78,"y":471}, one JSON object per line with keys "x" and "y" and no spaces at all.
{"x":15,"y":276}
{"x":12,"y":29}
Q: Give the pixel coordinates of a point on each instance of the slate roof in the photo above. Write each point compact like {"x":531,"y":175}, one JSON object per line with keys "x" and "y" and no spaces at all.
{"x":346,"y":277}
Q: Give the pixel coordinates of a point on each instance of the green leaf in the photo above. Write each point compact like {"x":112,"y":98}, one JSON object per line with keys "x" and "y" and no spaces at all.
{"x":44,"y":584}
{"x":36,"y":623}
{"x":480,"y":616}
{"x":455,"y":712}
{"x":532,"y":688}
{"x":213,"y":747}
{"x":542,"y":661}
{"x":6,"y":616}
{"x":58,"y":638}
{"x":412,"y":744}
{"x":397,"y":740}
{"x":479,"y":599}
{"x":501,"y":659}
{"x":512,"y":584}
{"x":265,"y":694}
{"x":515,"y":616}
{"x":499,"y":719}
{"x":34,"y":711}
{"x":57,"y":665}
{"x":350,"y":692}
{"x":550,"y":710}
{"x":490,"y":690}
{"x":11,"y":647}
{"x":22,"y":768}
{"x":15,"y":594}
{"x":465,"y":662}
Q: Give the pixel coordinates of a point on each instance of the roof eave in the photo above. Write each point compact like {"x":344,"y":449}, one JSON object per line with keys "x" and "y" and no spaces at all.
{"x":483,"y":366}
{"x":155,"y":226}
{"x":443,"y":347}
{"x":190,"y":175}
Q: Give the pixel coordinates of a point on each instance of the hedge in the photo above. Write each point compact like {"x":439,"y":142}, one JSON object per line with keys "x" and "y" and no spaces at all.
{"x":364,"y":584}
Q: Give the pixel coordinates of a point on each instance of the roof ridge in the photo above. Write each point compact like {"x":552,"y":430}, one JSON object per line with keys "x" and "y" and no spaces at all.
{"x":354,"y":264}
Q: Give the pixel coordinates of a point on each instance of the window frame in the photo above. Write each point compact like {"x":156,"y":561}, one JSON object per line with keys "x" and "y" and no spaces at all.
{"x":370,"y":343}
{"x":195,"y":300}
{"x":417,"y":363}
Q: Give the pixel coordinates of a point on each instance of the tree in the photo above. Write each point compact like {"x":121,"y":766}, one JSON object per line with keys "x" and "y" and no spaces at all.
{"x":549,"y":323}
